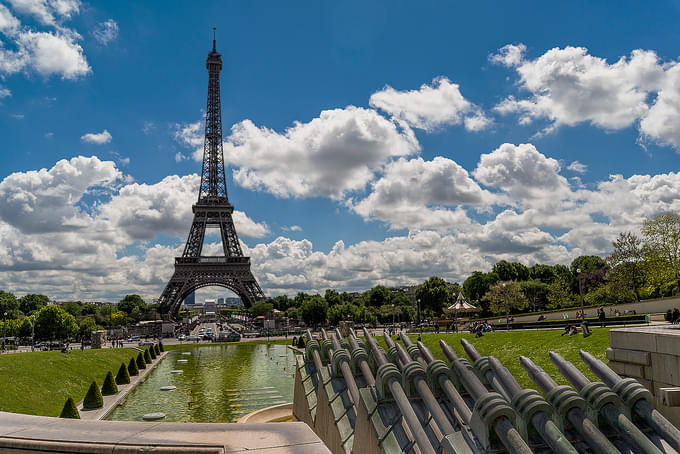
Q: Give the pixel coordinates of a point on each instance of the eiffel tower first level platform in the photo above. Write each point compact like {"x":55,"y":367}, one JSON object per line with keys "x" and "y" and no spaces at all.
{"x":194,"y":270}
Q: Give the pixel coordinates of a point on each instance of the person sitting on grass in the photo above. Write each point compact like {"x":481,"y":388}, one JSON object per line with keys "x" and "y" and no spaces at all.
{"x":569,"y":330}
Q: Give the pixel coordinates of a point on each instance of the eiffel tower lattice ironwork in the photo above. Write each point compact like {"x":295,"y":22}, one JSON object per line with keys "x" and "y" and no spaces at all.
{"x":194,"y":270}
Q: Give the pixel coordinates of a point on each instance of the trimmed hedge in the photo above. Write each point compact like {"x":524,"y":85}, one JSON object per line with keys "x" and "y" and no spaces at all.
{"x":157,"y":350}
{"x":152,"y":352}
{"x":160,"y":347}
{"x":147,"y":357}
{"x":132,"y":367}
{"x":109,"y":387}
{"x":93,"y":398}
{"x":122,"y":377}
{"x":70,"y":410}
{"x":141,"y":364}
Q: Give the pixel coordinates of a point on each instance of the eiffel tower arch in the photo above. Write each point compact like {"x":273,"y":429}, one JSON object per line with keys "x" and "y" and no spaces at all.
{"x":193,"y":270}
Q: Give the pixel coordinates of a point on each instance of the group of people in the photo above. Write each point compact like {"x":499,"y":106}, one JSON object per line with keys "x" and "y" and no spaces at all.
{"x":672,"y":316}
{"x":299,"y":342}
{"x":479,"y":328}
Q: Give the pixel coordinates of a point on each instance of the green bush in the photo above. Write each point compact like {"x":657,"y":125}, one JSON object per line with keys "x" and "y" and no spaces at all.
{"x":93,"y":398}
{"x":132,"y":367}
{"x":70,"y":410}
{"x":157,"y":350}
{"x":160,"y":347}
{"x":152,"y":352}
{"x":141,"y":364}
{"x":109,"y":387}
{"x":122,"y":377}
{"x":147,"y":357}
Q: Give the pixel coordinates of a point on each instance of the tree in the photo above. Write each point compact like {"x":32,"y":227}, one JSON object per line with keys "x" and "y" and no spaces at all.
{"x":261,"y":308}
{"x":314,"y":310}
{"x":53,"y":322}
{"x":505,"y":295}
{"x":378,"y":296}
{"x":93,"y":398}
{"x":70,"y":410}
{"x":32,"y":302}
{"x":434,"y":295}
{"x":627,"y":262}
{"x":507,"y":271}
{"x":662,"y":245}
{"x":118,"y":318}
{"x":476,"y":286}
{"x":560,"y":295}
{"x":342,"y":311}
{"x":332,"y":297}
{"x":26,"y":328}
{"x":536,"y":292}
{"x":74,"y":308}
{"x":85,"y":328}
{"x":592,"y":274}
{"x":543,"y":273}
{"x":9,"y":304}
{"x":130,"y":302}
{"x":123,"y":375}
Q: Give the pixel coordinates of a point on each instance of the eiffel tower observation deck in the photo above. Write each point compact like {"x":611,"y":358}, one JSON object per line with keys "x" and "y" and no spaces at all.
{"x":194,"y":270}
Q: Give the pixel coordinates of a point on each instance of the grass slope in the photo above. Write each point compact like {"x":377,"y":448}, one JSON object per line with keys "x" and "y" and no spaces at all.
{"x":39,"y":383}
{"x":534,"y":344}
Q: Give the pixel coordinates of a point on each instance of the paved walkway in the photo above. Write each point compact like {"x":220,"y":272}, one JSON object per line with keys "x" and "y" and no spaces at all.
{"x":111,"y":402}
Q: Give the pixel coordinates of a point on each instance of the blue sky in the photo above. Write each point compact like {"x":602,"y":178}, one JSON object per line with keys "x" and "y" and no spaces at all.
{"x":367,"y":142}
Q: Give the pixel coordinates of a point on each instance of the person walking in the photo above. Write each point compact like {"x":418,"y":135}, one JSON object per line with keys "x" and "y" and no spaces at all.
{"x":601,"y":316}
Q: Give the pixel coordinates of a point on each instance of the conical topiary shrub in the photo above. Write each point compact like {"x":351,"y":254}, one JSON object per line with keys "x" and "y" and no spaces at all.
{"x":152,"y":352}
{"x":141,"y":364}
{"x":147,"y":357}
{"x":132,"y":367}
{"x":160,"y":347}
{"x":93,"y":398}
{"x":70,"y":410}
{"x":109,"y":387}
{"x":123,"y":376}
{"x":157,"y":349}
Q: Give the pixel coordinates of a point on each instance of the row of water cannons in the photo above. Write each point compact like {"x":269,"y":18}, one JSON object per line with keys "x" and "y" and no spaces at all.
{"x":602,"y":414}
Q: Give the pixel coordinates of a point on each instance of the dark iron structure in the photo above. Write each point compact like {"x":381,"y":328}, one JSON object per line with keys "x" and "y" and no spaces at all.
{"x":194,"y":270}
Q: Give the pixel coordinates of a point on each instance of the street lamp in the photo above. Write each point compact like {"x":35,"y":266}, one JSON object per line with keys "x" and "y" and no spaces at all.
{"x":4,"y":329}
{"x":505,"y":301}
{"x":393,"y":315}
{"x":33,"y":332}
{"x":580,"y":291}
{"x":418,"y":303}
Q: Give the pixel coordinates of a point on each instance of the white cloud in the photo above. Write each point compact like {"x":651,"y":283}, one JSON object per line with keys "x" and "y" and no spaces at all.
{"x":99,"y":138}
{"x":577,"y":167}
{"x":334,"y":154}
{"x":569,"y":86}
{"x":292,"y":228}
{"x":509,"y":55}
{"x":189,"y":134}
{"x":51,"y":54}
{"x":431,"y":106}
{"x":48,"y":12}
{"x":45,"y":200}
{"x":105,"y":32}
{"x":179,"y":157}
{"x":522,"y":172}
{"x":413,"y":193}
{"x":9,"y":25}
{"x":5,"y":93}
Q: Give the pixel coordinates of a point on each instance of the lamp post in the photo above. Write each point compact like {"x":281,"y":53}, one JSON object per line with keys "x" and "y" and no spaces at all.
{"x":4,"y":329}
{"x":418,"y":303}
{"x":580,"y":291}
{"x":33,"y":332}
{"x":393,"y":315}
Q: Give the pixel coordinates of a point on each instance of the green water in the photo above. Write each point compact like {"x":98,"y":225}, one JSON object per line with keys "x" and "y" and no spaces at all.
{"x":219,"y":383}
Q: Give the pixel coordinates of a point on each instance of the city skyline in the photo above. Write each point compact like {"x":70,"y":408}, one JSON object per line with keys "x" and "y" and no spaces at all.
{"x":365,"y":144}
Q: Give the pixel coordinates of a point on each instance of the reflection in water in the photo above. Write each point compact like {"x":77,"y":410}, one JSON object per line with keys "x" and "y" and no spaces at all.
{"x":220,"y":383}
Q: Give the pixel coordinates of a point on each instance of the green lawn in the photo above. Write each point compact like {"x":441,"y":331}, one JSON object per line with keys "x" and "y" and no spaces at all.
{"x":535,"y":344}
{"x":39,"y":383}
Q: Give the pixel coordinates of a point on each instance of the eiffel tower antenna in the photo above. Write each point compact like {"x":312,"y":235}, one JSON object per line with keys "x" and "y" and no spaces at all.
{"x":194,"y":270}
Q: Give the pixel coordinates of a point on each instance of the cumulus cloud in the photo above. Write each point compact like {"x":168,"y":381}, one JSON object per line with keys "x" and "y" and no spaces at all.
{"x":46,"y":200}
{"x":9,"y":25}
{"x":431,"y":106}
{"x":99,"y":138}
{"x":105,"y":32}
{"x":5,"y":93}
{"x":569,"y":86}
{"x":414,"y":193}
{"x":334,"y":154}
{"x":522,"y":172}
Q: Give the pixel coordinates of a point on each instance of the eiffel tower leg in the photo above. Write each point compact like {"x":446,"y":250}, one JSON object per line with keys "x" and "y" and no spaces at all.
{"x":170,"y":299}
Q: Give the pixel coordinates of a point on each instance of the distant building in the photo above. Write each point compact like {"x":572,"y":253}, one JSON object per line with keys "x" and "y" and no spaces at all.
{"x":220,"y":301}
{"x":190,"y":299}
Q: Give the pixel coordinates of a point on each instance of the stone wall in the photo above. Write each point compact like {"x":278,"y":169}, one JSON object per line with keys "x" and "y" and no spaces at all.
{"x":652,"y":356}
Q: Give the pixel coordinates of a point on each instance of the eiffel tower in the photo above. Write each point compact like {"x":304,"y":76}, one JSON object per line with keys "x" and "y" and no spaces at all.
{"x":193,"y":270}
